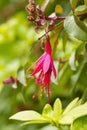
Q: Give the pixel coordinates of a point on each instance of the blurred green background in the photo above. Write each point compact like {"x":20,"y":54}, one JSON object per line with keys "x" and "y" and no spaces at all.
{"x":19,"y":48}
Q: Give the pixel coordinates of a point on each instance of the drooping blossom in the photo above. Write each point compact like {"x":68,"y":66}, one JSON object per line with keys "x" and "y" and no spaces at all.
{"x":10,"y":80}
{"x":44,"y":68}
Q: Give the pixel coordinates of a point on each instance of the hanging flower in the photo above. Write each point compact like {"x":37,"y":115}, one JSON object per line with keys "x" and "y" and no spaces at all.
{"x":45,"y":66}
{"x":10,"y":80}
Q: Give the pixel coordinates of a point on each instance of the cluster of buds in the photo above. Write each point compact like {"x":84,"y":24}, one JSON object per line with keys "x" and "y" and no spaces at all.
{"x":36,"y":15}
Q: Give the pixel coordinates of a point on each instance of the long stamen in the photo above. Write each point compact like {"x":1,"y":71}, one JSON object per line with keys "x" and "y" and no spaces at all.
{"x":35,"y":92}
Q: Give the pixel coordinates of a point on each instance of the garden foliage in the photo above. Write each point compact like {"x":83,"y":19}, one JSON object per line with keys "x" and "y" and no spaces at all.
{"x":43,"y":54}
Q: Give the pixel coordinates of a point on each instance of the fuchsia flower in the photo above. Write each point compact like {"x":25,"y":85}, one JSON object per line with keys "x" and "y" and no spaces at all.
{"x":45,"y":66}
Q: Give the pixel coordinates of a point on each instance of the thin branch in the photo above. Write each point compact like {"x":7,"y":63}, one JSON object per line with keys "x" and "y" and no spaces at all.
{"x":60,"y":23}
{"x":55,"y":18}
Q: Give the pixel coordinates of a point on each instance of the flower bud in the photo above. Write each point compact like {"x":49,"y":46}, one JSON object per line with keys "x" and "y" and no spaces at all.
{"x":31,"y":8}
{"x":30,"y":18}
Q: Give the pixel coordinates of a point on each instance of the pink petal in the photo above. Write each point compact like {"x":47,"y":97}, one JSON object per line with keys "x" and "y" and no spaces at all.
{"x":46,"y":63}
{"x":47,"y":78}
{"x":54,"y":70}
{"x":38,"y":68}
{"x":39,"y":64}
{"x":47,"y":82}
{"x":42,"y":57}
{"x":38,"y":81}
{"x":39,"y":78}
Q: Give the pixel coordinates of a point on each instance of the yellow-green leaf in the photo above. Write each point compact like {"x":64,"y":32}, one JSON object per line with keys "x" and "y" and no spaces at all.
{"x":48,"y":112}
{"x":28,"y":116}
{"x":57,"y":108}
{"x":72,"y":105}
{"x":75,"y":113}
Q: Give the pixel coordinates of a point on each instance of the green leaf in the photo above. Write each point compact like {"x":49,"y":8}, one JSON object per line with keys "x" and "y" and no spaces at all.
{"x":53,"y":115}
{"x":72,"y":105}
{"x":48,"y":112}
{"x":75,"y":78}
{"x":21,"y":76}
{"x":73,"y":3}
{"x":30,"y":115}
{"x":57,"y":108}
{"x":75,"y":113}
{"x":75,"y":28}
{"x":80,"y":124}
{"x":72,"y":60}
{"x":82,"y":9}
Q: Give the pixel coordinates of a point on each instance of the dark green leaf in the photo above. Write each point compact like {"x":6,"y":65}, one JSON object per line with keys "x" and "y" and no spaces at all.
{"x":73,"y":3}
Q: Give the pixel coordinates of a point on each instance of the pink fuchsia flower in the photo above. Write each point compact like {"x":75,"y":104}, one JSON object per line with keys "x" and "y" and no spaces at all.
{"x":45,"y":66}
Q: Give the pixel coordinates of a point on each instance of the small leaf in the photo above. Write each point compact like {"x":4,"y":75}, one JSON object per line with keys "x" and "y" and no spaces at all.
{"x":58,"y":9}
{"x":53,"y":115}
{"x":21,"y":76}
{"x":28,"y":116}
{"x":73,"y":3}
{"x":47,"y":112}
{"x":57,"y":110}
{"x":75,"y":113}
{"x":72,"y":62}
{"x":75,"y":28}
{"x":82,"y":9}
